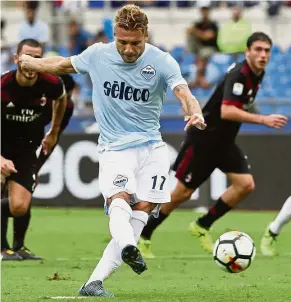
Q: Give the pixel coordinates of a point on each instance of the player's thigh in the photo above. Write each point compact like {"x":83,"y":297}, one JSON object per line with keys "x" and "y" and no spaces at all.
{"x":25,"y":165}
{"x":153,"y":176}
{"x":233,"y":160}
{"x":195,"y":165}
{"x":116,"y":172}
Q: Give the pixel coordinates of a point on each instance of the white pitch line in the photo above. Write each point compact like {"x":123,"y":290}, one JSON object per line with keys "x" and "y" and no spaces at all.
{"x":65,"y":297}
{"x":194,"y":256}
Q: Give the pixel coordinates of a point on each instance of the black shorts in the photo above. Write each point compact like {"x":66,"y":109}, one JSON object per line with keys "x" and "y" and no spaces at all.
{"x":25,"y":164}
{"x":196,"y":162}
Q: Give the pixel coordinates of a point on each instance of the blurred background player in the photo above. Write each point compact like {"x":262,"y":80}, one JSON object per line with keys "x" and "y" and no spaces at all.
{"x":32,"y":28}
{"x":268,"y":242}
{"x":215,"y":147}
{"x":202,"y":42}
{"x":27,"y":98}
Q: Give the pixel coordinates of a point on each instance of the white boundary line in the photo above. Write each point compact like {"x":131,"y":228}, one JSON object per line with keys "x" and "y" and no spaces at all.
{"x":66,"y":297}
{"x":177,"y":257}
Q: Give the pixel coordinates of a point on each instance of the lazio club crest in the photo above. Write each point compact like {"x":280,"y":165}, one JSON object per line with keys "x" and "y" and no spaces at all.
{"x":148,"y":72}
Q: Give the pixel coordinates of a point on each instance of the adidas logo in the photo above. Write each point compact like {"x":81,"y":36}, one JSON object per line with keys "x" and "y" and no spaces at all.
{"x":10,"y":105}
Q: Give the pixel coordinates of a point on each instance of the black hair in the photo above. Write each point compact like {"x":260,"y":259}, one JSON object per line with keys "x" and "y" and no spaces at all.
{"x":258,"y":36}
{"x":32,"y":5}
{"x":29,"y":42}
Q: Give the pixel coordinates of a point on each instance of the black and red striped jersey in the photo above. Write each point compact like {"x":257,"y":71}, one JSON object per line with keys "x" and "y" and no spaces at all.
{"x":25,"y":109}
{"x":239,"y":87}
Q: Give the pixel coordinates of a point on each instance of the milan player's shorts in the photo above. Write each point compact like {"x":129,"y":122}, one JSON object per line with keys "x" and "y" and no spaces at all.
{"x":141,"y":172}
{"x":25,"y":164}
{"x":196,"y":162}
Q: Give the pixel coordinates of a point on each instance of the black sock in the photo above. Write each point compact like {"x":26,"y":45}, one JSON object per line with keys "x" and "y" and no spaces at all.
{"x":152,"y":224}
{"x":5,"y":214}
{"x":20,"y":226}
{"x":214,"y":213}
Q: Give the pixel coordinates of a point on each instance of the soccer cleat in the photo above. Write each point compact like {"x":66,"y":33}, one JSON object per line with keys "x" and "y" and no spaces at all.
{"x":9,"y":255}
{"x":94,"y":288}
{"x":268,"y":244}
{"x":132,"y":256}
{"x":26,"y":254}
{"x":203,"y":235}
{"x":145,"y":248}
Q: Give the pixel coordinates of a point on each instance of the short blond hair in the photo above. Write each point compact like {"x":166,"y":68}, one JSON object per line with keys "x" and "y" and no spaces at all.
{"x":132,"y":17}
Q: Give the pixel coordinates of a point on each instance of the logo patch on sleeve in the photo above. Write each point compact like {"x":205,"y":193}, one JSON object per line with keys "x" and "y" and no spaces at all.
{"x":120,"y":181}
{"x":237,"y":88}
{"x":148,"y":72}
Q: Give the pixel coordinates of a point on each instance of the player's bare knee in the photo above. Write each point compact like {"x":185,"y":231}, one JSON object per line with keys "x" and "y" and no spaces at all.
{"x":181,"y":195}
{"x":122,"y":195}
{"x":246,"y":186}
{"x":249,"y":186}
{"x":18,"y":209}
{"x":144,"y":206}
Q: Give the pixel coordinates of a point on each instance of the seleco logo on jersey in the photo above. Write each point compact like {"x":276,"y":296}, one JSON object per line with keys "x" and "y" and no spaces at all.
{"x":148,"y":72}
{"x":124,"y":92}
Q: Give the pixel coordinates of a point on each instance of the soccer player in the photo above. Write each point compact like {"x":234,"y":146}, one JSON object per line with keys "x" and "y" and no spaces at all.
{"x":215,"y":147}
{"x":268,"y":242}
{"x":130,"y":78}
{"x":21,"y":223}
{"x":27,"y":98}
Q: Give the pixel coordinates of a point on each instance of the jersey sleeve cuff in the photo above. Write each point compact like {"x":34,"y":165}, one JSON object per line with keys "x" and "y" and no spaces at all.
{"x":73,"y":61}
{"x":180,"y":82}
{"x":233,"y":103}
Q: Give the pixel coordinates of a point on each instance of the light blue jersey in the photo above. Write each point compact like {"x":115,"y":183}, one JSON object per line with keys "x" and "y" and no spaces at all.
{"x":128,"y":97}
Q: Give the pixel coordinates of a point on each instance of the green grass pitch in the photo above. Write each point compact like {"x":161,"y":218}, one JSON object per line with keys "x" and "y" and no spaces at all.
{"x":72,"y":240}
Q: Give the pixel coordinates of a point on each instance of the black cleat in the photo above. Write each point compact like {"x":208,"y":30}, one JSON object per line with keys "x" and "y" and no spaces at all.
{"x":94,"y":288}
{"x":132,"y":256}
{"x":9,"y":255}
{"x":26,"y":254}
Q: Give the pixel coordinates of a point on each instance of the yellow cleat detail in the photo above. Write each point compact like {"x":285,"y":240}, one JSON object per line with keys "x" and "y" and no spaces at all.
{"x":145,"y":248}
{"x":268,"y":244}
{"x":203,"y":235}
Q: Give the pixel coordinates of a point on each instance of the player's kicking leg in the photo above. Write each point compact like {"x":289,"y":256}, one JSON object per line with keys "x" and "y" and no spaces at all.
{"x":268,"y":241}
{"x":125,"y":226}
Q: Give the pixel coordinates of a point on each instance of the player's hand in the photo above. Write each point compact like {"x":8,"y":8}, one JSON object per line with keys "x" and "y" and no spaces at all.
{"x":196,"y":120}
{"x":276,"y":121}
{"x":7,"y":167}
{"x":25,"y":61}
{"x":49,"y":142}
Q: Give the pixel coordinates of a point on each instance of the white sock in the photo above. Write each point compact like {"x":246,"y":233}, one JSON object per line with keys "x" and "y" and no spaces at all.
{"x":108,"y":264}
{"x":282,"y":218}
{"x":111,"y":258}
{"x":120,"y":228}
{"x":138,"y":222}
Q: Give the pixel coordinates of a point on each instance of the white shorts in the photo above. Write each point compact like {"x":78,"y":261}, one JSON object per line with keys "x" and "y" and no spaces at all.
{"x":142,"y":172}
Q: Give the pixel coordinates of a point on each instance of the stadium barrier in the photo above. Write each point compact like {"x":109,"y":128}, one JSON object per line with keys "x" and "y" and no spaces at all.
{"x":70,"y":176}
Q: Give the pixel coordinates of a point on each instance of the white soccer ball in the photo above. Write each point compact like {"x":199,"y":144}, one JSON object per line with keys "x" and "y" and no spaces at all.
{"x":234,"y":251}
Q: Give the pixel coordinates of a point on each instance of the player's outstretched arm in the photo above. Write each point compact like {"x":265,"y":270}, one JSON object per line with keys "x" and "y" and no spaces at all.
{"x":51,"y":137}
{"x":53,"y":65}
{"x":233,"y":113}
{"x":191,"y":107}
